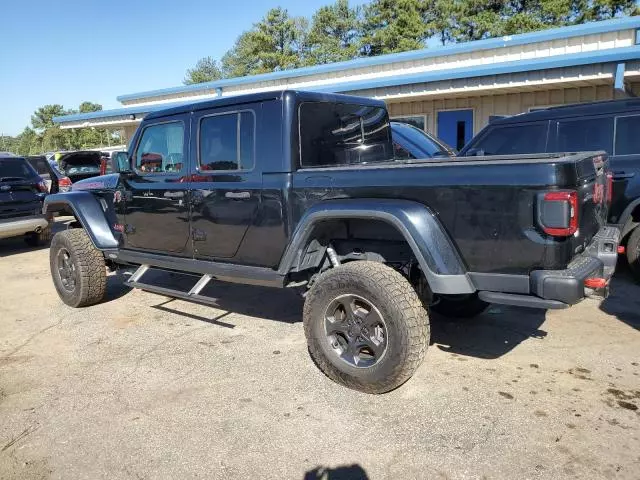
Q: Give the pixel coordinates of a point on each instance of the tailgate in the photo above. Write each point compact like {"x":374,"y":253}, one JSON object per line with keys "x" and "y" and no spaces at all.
{"x":19,"y":191}
{"x":593,"y":194}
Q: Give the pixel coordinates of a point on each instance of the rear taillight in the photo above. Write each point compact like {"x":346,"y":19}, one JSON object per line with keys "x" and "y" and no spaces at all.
{"x":103,"y":166}
{"x":559,"y":213}
{"x":609,"y":187}
{"x":64,"y":182}
{"x":42,"y":187}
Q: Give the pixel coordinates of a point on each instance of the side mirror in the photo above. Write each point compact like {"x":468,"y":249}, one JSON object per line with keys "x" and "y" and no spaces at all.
{"x":121,"y":162}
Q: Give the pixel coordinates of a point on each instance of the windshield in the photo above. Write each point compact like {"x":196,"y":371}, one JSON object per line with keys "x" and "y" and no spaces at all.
{"x":82,"y":168}
{"x":415,"y":140}
{"x":15,"y":169}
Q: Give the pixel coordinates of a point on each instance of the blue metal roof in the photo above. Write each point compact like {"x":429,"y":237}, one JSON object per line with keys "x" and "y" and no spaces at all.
{"x":558,"y":61}
{"x":506,"y":41}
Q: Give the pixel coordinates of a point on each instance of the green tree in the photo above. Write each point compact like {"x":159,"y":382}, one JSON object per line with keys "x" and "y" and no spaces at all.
{"x":207,"y":69}
{"x":42,"y":118}
{"x":394,"y":26}
{"x":275,"y":43}
{"x":335,"y":34}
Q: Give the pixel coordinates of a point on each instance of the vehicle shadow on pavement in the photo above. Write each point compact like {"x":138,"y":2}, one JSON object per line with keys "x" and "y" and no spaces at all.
{"x":490,"y":335}
{"x":281,"y":305}
{"x":624,"y":299}
{"x":343,"y":472}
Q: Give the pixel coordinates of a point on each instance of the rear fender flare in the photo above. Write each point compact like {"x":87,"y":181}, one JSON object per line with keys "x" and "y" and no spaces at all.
{"x":88,"y":211}
{"x":627,"y":222}
{"x":430,"y":243}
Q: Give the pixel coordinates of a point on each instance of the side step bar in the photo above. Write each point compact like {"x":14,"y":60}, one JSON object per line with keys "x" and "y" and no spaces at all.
{"x":225,"y":272}
{"x":192,"y":295}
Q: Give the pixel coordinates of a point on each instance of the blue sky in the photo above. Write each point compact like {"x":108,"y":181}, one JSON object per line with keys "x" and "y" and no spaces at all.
{"x":76,"y":50}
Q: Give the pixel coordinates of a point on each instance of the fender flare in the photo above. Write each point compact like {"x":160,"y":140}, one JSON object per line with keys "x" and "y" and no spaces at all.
{"x":88,"y":211}
{"x":433,"y":248}
{"x":627,"y":224}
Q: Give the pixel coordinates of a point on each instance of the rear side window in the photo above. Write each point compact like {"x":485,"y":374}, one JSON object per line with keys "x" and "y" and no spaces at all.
{"x":512,"y":140}
{"x":337,"y":134}
{"x":161,"y":148}
{"x":15,"y":168}
{"x":585,"y":135}
{"x":40,"y":165}
{"x":227,"y":141}
{"x":627,"y":135}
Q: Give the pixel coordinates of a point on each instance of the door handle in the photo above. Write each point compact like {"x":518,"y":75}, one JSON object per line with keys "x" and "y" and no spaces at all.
{"x":237,"y":195}
{"x":622,"y":175}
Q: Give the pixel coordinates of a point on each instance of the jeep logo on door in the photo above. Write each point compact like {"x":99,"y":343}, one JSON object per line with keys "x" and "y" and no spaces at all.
{"x":5,"y":188}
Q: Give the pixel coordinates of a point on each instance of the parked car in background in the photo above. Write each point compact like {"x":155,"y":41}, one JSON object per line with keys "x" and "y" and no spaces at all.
{"x":410,"y":143}
{"x":53,"y":178}
{"x":613,"y":126}
{"x":22,"y":192}
{"x":80,"y":165}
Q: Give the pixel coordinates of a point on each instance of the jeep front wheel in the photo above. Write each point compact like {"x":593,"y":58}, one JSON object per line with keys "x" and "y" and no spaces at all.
{"x":77,"y":268}
{"x":366,"y":328}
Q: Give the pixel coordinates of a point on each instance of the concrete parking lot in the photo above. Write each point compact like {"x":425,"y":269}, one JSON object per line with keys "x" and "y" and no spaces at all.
{"x":146,"y":387}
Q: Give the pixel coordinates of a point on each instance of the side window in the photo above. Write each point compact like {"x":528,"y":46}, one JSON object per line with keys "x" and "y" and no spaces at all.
{"x":338,"y":134}
{"x":161,"y":148}
{"x":227,"y":141}
{"x":513,"y":140}
{"x":627,"y":135}
{"x":584,"y":135}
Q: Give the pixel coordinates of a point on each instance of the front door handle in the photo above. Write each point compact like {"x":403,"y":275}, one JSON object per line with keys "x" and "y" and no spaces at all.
{"x":237,"y":195}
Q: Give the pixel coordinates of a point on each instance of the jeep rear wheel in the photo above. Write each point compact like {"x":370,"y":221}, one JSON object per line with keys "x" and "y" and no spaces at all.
{"x":366,"y":328}
{"x":77,"y":268}
{"x":633,"y":253}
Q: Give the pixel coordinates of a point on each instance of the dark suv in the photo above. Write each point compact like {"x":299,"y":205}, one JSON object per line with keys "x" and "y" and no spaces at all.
{"x":22,"y":192}
{"x":613,"y":126}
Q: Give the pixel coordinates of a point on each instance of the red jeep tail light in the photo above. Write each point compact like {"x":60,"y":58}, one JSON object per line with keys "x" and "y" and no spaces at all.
{"x":559,"y":213}
{"x":609,"y":187}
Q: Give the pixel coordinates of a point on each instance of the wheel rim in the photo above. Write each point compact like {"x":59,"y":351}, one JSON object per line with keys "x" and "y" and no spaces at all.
{"x":66,"y":270}
{"x":356,"y":331}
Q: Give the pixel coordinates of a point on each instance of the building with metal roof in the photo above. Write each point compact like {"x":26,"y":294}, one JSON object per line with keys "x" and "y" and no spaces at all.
{"x":451,"y":91}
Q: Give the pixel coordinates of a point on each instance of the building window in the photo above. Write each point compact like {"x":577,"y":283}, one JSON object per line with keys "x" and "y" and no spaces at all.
{"x":161,"y":149}
{"x":337,"y":134}
{"x":418,"y":121}
{"x":226,"y":142}
{"x":627,"y":135}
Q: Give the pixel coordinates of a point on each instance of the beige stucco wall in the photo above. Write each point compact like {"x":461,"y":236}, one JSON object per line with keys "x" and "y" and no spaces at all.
{"x":509,"y":104}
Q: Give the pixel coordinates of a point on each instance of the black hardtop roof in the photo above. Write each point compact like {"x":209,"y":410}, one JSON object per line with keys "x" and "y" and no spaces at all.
{"x":296,"y":96}
{"x":578,"y":109}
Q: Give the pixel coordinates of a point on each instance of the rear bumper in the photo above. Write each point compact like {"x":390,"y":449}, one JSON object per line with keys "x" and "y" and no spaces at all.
{"x":15,"y":227}
{"x":568,"y":286}
{"x":554,"y":289}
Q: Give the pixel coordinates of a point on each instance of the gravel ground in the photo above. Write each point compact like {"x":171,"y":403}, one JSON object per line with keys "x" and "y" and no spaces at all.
{"x":146,"y":387}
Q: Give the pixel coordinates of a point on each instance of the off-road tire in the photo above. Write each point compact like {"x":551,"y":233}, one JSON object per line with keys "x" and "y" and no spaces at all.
{"x":407,"y":325}
{"x":90,"y":272}
{"x":633,"y":253}
{"x":34,"y":239}
{"x":460,"y":308}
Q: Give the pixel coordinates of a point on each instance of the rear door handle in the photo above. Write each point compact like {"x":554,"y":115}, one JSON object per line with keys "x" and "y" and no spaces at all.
{"x":622,"y":175}
{"x":237,"y":195}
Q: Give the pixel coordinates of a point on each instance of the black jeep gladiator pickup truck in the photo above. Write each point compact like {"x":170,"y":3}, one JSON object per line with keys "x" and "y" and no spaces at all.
{"x":300,"y":189}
